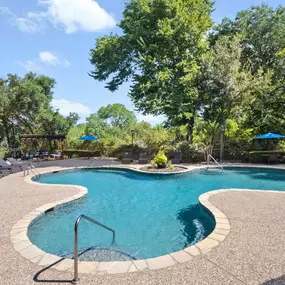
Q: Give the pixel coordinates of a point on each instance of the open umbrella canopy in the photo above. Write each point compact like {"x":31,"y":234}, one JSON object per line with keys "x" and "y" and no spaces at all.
{"x":270,"y":136}
{"x":88,"y":138}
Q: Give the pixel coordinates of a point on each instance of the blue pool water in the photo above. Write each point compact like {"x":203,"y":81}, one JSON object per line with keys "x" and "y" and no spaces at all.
{"x":152,"y":215}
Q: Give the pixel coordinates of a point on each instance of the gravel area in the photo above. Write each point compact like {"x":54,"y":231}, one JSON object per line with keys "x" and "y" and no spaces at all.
{"x":162,"y":170}
{"x":253,"y":252}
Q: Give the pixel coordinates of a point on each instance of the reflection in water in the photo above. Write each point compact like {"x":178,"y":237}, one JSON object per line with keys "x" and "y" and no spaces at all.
{"x":197,"y":223}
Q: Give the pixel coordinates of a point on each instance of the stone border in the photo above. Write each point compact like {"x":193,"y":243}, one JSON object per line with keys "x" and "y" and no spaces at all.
{"x":32,"y":253}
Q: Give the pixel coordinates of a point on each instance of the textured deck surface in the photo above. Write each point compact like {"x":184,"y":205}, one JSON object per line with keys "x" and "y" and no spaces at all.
{"x":253,"y":252}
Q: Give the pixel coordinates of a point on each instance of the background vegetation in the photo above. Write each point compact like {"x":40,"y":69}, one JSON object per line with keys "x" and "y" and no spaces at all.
{"x":219,"y":86}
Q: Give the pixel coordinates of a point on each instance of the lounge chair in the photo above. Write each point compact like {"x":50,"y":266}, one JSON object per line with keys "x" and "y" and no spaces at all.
{"x":56,"y":155}
{"x":21,"y":164}
{"x":273,"y":158}
{"x":4,"y":172}
{"x":177,"y":157}
{"x":128,"y":158}
{"x":143,"y":159}
{"x":13,"y":168}
{"x":36,"y":155}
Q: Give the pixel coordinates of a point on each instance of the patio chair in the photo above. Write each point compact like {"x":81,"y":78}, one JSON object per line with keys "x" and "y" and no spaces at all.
{"x":128,"y":158}
{"x":21,"y":164}
{"x":13,"y":168}
{"x":56,"y":155}
{"x":4,"y":172}
{"x":273,"y":158}
{"x":36,"y":154}
{"x":143,"y":159}
{"x":177,"y":157}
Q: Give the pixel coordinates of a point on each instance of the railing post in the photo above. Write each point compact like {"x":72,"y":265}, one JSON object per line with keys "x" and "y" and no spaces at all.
{"x":76,"y":280}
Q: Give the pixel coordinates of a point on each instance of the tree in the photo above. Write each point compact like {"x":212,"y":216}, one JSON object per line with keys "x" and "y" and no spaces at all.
{"x":96,"y":126}
{"x":223,"y":85}
{"x":265,"y":109}
{"x":52,"y":122}
{"x":263,"y":39}
{"x":117,"y":115}
{"x":25,"y":107}
{"x":158,"y":52}
{"x":261,"y":29}
{"x":21,"y":100}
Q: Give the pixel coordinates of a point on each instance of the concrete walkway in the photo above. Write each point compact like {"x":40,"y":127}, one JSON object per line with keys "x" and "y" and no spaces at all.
{"x":253,"y":252}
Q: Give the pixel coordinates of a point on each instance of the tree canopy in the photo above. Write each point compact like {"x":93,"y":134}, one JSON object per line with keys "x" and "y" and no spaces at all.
{"x":180,"y":65}
{"x":117,"y":114}
{"x":216,"y":85}
{"x":25,"y":107}
{"x":158,"y":52}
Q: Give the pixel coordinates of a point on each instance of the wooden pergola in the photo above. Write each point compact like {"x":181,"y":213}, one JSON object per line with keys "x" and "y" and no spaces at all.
{"x":57,"y":140}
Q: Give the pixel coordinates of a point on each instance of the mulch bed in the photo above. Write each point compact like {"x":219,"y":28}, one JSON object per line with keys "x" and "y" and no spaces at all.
{"x":162,"y":170}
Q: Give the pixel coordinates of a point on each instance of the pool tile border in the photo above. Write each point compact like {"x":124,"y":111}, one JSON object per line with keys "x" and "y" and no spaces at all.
{"x":29,"y":251}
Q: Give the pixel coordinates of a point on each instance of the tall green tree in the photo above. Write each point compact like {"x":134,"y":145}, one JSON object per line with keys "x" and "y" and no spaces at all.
{"x":261,"y":29}
{"x":117,"y":115}
{"x":223,"y":85}
{"x":158,"y":52}
{"x":50,"y":121}
{"x":96,"y":126}
{"x":263,"y":39}
{"x":25,"y":107}
{"x":21,"y":101}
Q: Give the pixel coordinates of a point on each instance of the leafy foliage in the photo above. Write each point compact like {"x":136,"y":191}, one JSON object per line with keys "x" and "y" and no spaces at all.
{"x":25,"y":108}
{"x":158,"y":52}
{"x":160,"y":158}
{"x":117,"y":115}
{"x":217,"y":86}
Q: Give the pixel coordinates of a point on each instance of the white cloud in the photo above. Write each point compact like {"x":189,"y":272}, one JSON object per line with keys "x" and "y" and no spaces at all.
{"x":65,"y":107}
{"x":26,"y":25}
{"x":5,"y":10}
{"x":69,"y":15}
{"x":30,"y":65}
{"x":23,"y":23}
{"x":76,"y":15}
{"x":153,"y":120}
{"x":45,"y":58}
{"x":49,"y":58}
{"x":66,"y":63}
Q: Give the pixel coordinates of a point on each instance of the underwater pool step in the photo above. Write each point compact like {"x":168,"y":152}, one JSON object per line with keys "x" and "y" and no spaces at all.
{"x":102,"y":254}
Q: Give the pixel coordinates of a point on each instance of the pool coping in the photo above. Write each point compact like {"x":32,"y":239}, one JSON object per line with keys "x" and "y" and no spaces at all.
{"x":31,"y":252}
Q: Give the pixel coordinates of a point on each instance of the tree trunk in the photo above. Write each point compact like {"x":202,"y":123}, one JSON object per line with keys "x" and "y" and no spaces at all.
{"x":222,"y":142}
{"x":6,"y":130}
{"x":190,"y":129}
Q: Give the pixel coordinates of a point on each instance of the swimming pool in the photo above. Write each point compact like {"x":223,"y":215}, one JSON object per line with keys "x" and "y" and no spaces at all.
{"x":152,"y":214}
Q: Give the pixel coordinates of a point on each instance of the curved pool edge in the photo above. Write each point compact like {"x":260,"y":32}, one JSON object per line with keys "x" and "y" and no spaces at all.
{"x":29,"y":251}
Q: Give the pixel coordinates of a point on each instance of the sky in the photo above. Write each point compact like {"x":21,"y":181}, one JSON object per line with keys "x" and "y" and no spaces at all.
{"x":54,"y":37}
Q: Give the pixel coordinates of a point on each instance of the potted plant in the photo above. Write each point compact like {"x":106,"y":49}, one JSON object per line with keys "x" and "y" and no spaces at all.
{"x":160,"y":159}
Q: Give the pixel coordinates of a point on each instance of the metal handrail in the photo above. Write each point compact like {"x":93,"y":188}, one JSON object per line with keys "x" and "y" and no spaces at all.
{"x":211,"y":157}
{"x":33,"y":170}
{"x":76,"y":280}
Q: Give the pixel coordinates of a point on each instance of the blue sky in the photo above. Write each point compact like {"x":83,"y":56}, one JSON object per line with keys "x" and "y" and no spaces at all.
{"x":53,"y":37}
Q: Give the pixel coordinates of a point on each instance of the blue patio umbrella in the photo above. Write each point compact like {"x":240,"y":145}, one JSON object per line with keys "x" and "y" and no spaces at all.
{"x":270,"y":136}
{"x":88,"y":138}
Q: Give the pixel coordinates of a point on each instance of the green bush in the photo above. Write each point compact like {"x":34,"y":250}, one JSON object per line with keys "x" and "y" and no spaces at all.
{"x":170,"y":165}
{"x":160,"y":158}
{"x":152,"y":164}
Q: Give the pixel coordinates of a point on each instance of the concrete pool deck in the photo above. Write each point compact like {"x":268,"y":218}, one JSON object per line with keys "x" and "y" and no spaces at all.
{"x":252,"y":253}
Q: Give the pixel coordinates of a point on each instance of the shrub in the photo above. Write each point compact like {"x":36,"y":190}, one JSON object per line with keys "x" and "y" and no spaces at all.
{"x":160,"y":158}
{"x":152,"y":164}
{"x":170,"y":165}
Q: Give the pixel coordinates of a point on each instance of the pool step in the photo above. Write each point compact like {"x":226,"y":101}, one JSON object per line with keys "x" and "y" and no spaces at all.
{"x":102,"y":254}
